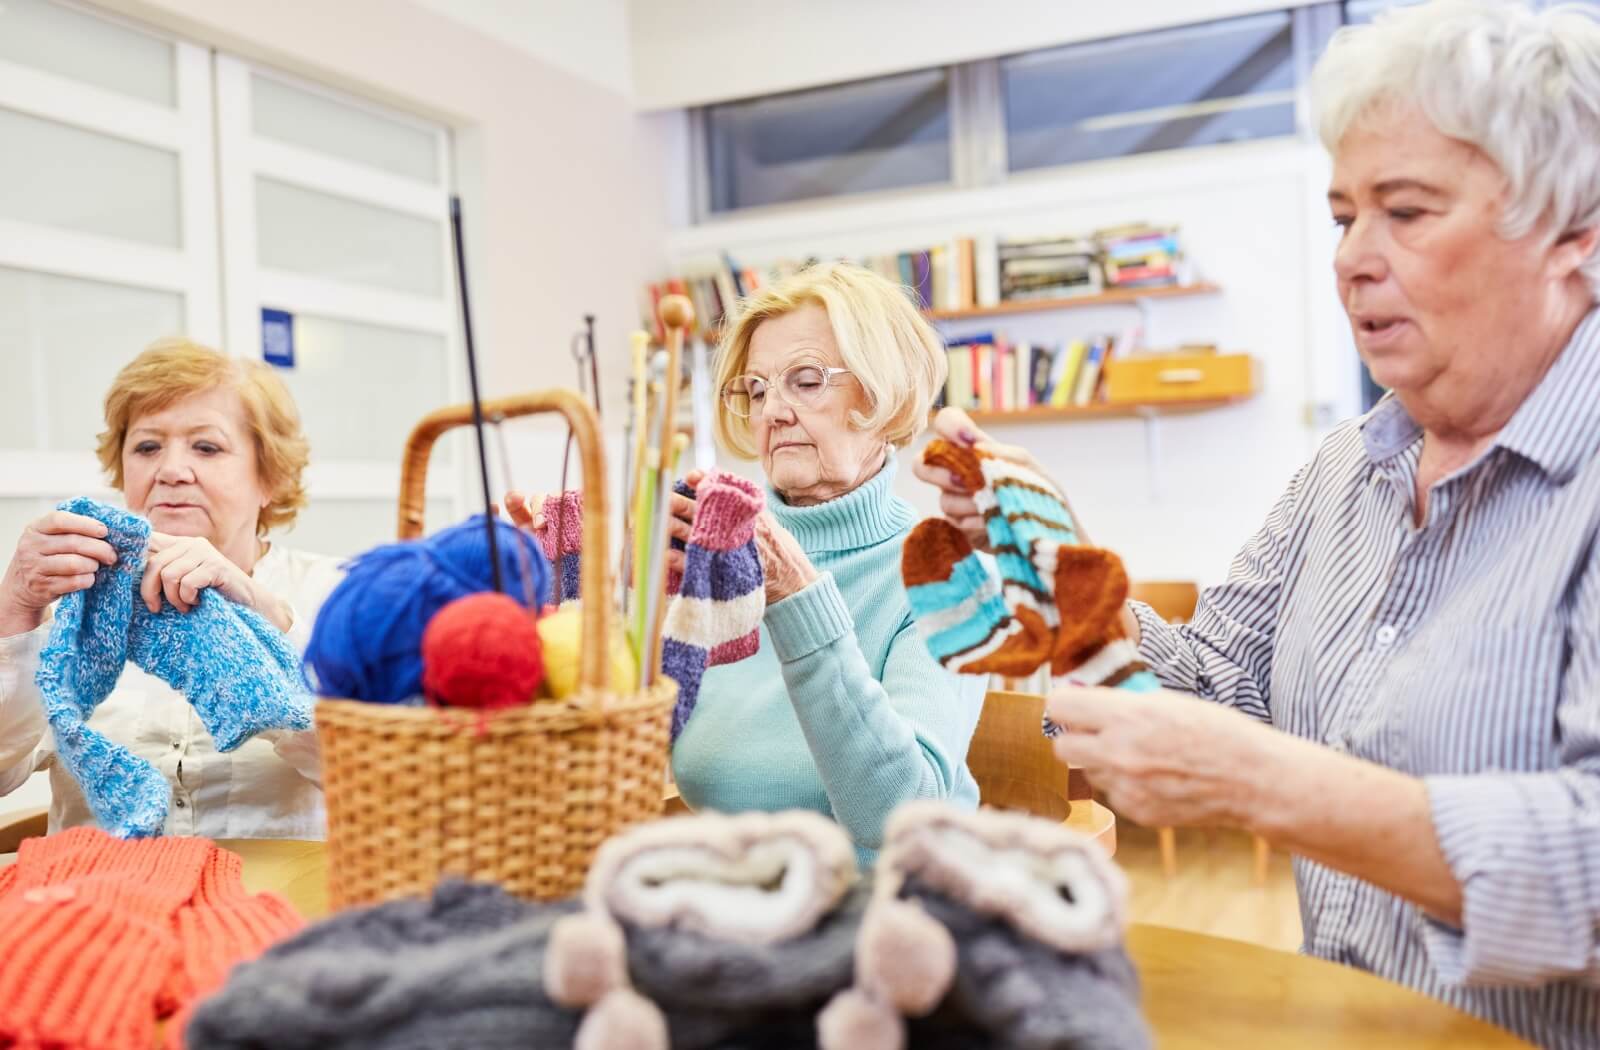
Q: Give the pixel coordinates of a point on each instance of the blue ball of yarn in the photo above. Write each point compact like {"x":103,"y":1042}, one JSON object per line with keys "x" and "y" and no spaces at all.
{"x":367,"y":640}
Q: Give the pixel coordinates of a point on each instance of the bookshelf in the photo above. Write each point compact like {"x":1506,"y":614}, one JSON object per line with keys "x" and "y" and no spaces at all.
{"x":1114,"y":297}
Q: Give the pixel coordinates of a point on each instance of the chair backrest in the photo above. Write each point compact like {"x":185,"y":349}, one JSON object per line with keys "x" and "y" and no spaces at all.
{"x":1013,"y":762}
{"x":1173,"y":600}
{"x":21,"y":826}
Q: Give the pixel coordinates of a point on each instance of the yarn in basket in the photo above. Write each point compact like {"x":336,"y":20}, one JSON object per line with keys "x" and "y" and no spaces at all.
{"x":367,"y":640}
{"x":481,"y":651}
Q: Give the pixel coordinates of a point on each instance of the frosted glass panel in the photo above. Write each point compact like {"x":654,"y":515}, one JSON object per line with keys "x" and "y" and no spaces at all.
{"x":320,"y":235}
{"x":398,"y":375}
{"x":316,"y":122}
{"x":55,"y":175}
{"x":74,"y":44}
{"x":62,"y":340}
{"x":346,"y":527}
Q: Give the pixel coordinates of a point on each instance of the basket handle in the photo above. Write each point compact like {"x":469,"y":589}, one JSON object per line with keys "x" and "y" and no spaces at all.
{"x":593,"y":586}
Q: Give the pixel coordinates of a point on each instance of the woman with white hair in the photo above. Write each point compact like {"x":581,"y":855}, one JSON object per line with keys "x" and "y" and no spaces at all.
{"x":1406,"y":656}
{"x":842,"y":710}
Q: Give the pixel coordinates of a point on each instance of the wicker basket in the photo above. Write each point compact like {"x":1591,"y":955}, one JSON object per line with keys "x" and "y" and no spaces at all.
{"x":524,"y":800}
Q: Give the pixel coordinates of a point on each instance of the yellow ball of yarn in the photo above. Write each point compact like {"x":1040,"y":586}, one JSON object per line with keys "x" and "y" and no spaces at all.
{"x":560,"y":634}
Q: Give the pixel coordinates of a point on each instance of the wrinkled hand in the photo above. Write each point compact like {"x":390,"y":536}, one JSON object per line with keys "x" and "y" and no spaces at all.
{"x":955,"y":501}
{"x":57,"y":555}
{"x":787,"y":568}
{"x":1166,"y":759}
{"x":525,"y":511}
{"x":180,"y":567}
{"x":785,"y":565}
{"x":680,"y":518}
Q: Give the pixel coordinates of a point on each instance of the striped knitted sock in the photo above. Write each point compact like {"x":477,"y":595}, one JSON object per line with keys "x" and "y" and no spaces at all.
{"x":961,"y":613}
{"x":1091,"y":648}
{"x":965,"y":628}
{"x":562,"y":539}
{"x":715,"y":614}
{"x":1060,"y":601}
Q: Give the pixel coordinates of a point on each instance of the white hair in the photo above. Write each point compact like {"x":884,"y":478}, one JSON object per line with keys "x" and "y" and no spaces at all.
{"x":1521,"y":86}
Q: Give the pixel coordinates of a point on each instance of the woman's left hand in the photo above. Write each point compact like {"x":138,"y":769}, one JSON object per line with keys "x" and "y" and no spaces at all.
{"x":786,"y":566}
{"x":1166,"y":759}
{"x":180,"y":567}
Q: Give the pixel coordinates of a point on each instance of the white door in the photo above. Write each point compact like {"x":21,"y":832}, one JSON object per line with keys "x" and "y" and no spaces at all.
{"x":335,"y":212}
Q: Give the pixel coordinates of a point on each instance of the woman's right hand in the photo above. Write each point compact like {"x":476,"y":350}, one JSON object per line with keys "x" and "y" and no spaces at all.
{"x":956,"y":502}
{"x":57,"y":555}
{"x":525,"y":512}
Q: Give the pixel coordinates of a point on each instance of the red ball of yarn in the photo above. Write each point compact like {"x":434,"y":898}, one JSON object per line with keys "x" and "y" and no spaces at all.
{"x":481,"y":651}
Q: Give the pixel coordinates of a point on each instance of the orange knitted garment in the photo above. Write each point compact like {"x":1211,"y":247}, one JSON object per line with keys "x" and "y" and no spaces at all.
{"x":101,"y":936}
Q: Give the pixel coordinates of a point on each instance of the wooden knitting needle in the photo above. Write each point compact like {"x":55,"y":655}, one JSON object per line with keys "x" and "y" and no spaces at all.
{"x":677,"y":315}
{"x":655,"y":609}
{"x":639,"y":345}
{"x":644,"y":526}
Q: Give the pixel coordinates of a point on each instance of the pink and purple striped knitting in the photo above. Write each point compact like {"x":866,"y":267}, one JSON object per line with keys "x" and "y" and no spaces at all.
{"x":561,"y":536}
{"x":715,"y":614}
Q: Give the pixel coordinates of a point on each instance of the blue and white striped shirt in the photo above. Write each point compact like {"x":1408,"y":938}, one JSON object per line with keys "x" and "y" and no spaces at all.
{"x":1465,"y":652}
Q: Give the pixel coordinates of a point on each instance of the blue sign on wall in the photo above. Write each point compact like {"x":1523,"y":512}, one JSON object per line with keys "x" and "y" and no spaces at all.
{"x":277,"y":337}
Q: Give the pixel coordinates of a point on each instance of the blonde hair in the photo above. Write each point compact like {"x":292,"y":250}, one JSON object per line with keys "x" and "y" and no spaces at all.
{"x":170,"y":370}
{"x":886,"y":344}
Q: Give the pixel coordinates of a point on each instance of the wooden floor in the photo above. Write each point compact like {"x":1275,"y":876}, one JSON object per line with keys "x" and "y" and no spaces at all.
{"x":1212,"y":892}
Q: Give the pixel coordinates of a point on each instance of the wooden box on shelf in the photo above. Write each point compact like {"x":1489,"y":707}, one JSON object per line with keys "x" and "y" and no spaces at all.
{"x":1160,"y":378}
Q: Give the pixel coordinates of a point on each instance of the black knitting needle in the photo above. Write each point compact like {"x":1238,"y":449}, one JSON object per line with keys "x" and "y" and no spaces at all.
{"x":477,"y":401}
{"x":594,"y":364}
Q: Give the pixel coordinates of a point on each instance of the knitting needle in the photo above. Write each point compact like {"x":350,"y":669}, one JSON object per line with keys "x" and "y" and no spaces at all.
{"x":677,"y":314}
{"x":477,"y":400}
{"x":705,"y":453}
{"x":643,"y":523}
{"x":661,"y":538}
{"x":661,"y":541}
{"x":638,"y":343}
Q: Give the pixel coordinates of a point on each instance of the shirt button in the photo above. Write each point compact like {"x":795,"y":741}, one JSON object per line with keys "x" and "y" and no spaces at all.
{"x":176,"y":744}
{"x":180,"y":803}
{"x":1386,"y":635}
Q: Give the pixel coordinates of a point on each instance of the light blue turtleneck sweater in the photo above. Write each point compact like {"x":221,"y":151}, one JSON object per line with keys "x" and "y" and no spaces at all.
{"x":842,"y":711}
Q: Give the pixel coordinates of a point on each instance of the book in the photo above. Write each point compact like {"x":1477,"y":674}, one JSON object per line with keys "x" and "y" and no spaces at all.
{"x":1089,"y":375}
{"x":1041,"y":366}
{"x":1065,"y":377}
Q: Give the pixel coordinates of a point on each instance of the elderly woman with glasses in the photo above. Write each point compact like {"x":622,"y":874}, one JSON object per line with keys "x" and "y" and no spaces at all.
{"x":842,"y":710}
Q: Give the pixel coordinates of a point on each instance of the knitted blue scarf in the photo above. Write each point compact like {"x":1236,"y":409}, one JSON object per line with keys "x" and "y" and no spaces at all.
{"x":237,"y":670}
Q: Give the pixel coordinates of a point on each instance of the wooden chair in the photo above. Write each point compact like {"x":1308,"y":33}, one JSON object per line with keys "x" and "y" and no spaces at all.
{"x":1013,"y":763}
{"x":1174,"y":601}
{"x":1017,"y":769}
{"x":21,"y":826}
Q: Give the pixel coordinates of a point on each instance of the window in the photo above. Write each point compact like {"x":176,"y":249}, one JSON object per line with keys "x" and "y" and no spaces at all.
{"x":973,"y":124}
{"x":1219,"y":82}
{"x":153,"y":188}
{"x":107,"y":231}
{"x":882,"y":134}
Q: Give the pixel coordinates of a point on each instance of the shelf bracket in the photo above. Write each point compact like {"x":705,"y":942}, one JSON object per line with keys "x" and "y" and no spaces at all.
{"x":1152,"y":451}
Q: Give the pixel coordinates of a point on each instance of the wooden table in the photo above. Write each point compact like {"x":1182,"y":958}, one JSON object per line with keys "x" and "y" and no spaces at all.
{"x":1199,"y":992}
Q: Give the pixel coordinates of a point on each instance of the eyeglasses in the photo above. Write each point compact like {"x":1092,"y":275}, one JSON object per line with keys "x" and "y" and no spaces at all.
{"x":801,"y":385}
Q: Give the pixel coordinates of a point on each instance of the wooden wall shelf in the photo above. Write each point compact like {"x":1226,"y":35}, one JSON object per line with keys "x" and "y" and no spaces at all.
{"x":1114,"y":297}
{"x":1085,"y":413}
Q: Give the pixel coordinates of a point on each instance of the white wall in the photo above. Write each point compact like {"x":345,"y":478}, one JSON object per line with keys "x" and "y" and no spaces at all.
{"x":587,"y":38}
{"x":1252,"y":220}
{"x":691,"y":52}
